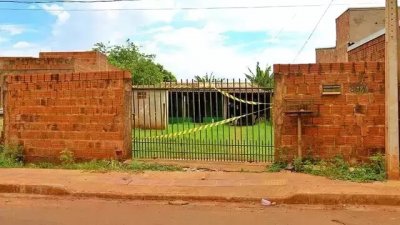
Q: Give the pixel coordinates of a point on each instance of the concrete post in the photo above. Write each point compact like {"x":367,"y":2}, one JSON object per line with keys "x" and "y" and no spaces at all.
{"x":391,"y":90}
{"x":299,"y":134}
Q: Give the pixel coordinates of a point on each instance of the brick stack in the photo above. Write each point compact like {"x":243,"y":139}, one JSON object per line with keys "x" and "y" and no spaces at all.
{"x":86,"y":113}
{"x":350,"y":124}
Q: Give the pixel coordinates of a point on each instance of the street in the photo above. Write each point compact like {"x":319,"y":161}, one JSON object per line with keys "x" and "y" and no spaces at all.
{"x":34,"y":210}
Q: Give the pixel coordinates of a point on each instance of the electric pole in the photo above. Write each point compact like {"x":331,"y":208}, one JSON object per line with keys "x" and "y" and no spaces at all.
{"x":391,"y":90}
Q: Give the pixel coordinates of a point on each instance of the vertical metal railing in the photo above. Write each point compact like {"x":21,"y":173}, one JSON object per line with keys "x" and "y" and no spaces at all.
{"x":190,"y":120}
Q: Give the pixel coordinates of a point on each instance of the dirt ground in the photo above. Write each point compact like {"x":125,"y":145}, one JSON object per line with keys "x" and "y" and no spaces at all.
{"x":37,"y":210}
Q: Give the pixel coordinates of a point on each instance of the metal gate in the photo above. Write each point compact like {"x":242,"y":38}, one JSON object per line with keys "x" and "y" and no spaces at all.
{"x":216,"y":121}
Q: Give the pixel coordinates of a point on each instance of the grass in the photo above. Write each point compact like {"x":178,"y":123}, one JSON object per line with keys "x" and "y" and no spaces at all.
{"x":221,"y":143}
{"x":11,"y":157}
{"x":338,"y":169}
{"x":262,"y":130}
{"x":107,"y":166}
{"x":1,"y":123}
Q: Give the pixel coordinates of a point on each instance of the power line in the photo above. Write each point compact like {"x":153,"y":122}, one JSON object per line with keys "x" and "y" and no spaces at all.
{"x":176,"y":8}
{"x":67,"y":1}
{"x":313,"y":31}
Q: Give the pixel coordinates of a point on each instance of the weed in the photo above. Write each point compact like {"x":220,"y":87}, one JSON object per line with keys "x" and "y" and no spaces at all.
{"x":67,"y":157}
{"x":139,"y":166}
{"x":337,"y":168}
{"x":11,"y":156}
{"x":298,"y":165}
{"x":277,"y":166}
{"x":106,"y":166}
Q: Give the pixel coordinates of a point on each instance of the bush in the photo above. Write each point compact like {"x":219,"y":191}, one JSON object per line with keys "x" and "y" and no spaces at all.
{"x":277,"y":167}
{"x":338,"y":168}
{"x":67,"y":157}
{"x":11,"y":156}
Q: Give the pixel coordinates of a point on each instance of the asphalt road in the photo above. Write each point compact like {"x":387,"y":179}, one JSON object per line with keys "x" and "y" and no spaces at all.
{"x":21,"y":210}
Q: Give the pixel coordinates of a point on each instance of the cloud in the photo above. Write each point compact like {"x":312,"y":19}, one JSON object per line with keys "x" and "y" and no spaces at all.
{"x":2,"y":39}
{"x":192,"y":42}
{"x":61,"y":15}
{"x":12,"y":29}
{"x":22,"y":45}
{"x":58,"y":11}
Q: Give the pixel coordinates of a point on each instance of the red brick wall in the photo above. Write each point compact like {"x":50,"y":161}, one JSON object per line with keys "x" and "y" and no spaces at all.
{"x":84,"y":61}
{"x":54,"y":62}
{"x":342,"y":36}
{"x":326,"y":55}
{"x":57,"y":62}
{"x":372,"y":51}
{"x":87,"y":113}
{"x":338,"y":53}
{"x":35,"y":65}
{"x":350,"y":124}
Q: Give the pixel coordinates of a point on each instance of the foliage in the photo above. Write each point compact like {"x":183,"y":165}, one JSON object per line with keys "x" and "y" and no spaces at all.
{"x":106,"y":166}
{"x":277,"y":167}
{"x":263,"y":78}
{"x":337,"y":168}
{"x":208,"y":78}
{"x":11,"y":156}
{"x":67,"y":157}
{"x":142,"y":66}
{"x":139,"y":166}
{"x":167,"y":76}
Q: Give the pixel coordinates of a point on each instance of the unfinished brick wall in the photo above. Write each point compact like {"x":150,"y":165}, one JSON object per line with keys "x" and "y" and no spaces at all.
{"x":326,"y":55}
{"x":372,"y":51}
{"x":84,"y":61}
{"x":54,"y":62}
{"x":350,"y":124}
{"x":342,"y":36}
{"x":87,"y":113}
{"x":35,"y":65}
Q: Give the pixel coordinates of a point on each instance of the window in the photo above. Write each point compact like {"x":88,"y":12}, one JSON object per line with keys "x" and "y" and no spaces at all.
{"x":331,"y":89}
{"x":141,"y":95}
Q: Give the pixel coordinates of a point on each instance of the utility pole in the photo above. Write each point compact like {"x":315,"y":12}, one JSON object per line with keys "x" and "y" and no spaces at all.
{"x":391,"y":90}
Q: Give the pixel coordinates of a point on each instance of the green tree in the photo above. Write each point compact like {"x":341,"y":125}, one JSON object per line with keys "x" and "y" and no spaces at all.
{"x":168,"y":76}
{"x":207,"y":78}
{"x":142,"y":66}
{"x":263,"y":78}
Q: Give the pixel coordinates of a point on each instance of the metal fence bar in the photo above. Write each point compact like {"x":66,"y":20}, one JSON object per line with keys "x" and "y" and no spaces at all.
{"x":167,"y":119}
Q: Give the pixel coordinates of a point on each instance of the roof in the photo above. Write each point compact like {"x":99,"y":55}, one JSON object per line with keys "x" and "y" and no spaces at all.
{"x":327,"y":48}
{"x":200,"y":86}
{"x":366,"y":39}
{"x":365,"y":8}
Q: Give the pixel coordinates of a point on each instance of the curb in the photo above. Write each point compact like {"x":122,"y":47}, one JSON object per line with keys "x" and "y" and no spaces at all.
{"x":302,"y":198}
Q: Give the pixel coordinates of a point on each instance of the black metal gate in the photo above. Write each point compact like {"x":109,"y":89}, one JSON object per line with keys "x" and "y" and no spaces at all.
{"x":216,"y":121}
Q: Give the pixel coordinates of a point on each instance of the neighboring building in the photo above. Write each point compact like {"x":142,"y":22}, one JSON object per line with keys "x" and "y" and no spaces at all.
{"x":154,"y":107}
{"x":359,"y":37}
{"x":371,"y":48}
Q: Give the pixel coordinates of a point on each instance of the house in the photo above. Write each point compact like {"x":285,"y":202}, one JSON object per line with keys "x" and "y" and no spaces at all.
{"x":359,"y":37}
{"x":155,"y":106}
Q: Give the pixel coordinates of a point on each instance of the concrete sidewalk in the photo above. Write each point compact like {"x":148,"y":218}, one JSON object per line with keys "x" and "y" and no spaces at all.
{"x":285,"y":187}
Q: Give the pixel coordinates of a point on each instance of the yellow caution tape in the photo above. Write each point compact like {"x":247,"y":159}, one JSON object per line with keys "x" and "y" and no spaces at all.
{"x":240,"y":100}
{"x":235,"y":98}
{"x":197,"y":129}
